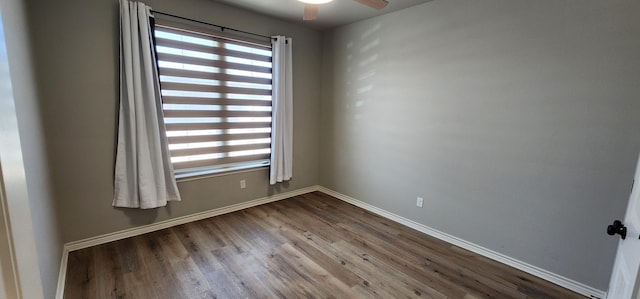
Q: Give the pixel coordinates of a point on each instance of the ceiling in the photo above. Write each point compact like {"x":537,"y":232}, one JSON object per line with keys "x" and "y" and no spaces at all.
{"x":333,"y":14}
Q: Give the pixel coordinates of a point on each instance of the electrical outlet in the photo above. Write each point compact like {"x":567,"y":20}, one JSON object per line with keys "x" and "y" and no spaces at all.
{"x":243,"y":184}
{"x":419,"y":202}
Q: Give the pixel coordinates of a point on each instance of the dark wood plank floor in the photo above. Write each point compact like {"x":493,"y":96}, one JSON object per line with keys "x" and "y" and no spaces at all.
{"x":310,"y":246}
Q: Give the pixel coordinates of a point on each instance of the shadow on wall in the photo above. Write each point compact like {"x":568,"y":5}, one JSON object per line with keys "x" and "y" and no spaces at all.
{"x":142,"y":217}
{"x":278,"y":188}
{"x":138,"y":217}
{"x":358,"y":90}
{"x":361,"y":74}
{"x":369,"y":101}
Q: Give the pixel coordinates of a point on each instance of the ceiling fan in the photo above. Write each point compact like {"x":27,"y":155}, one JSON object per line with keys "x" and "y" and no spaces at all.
{"x":311,"y":6}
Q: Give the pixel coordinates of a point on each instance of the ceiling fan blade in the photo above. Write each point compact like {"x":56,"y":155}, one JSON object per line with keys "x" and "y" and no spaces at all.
{"x":310,"y":12}
{"x":377,"y":4}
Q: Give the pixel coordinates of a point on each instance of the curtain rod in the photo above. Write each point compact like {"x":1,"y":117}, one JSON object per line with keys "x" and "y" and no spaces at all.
{"x":223,"y":28}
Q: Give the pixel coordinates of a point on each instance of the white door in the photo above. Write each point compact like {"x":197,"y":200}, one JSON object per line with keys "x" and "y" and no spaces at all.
{"x":625,"y":280}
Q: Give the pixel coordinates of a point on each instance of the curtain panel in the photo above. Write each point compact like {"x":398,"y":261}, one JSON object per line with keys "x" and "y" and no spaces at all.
{"x":282,"y":115}
{"x":144,"y":176}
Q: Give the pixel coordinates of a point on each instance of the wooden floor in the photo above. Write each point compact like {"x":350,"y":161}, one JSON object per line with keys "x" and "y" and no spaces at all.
{"x":309,"y":246}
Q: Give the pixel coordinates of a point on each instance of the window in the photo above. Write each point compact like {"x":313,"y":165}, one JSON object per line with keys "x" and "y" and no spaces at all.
{"x":216,"y":95}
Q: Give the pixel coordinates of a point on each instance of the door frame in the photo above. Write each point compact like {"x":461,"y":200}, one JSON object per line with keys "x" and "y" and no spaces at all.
{"x":9,"y":287}
{"x":20,"y":268}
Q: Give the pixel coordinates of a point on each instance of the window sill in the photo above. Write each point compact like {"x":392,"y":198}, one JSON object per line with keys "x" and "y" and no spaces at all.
{"x":211,"y":173}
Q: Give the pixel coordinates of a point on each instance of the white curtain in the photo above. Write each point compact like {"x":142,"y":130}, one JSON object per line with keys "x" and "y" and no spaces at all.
{"x":144,"y":175}
{"x":282,"y":115}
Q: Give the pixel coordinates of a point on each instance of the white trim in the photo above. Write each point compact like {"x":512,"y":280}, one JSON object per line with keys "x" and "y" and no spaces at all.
{"x":136,"y":231}
{"x":143,"y":229}
{"x":499,"y":257}
{"x":62,"y":274}
{"x":533,"y":270}
{"x":211,"y":173}
{"x":9,"y":284}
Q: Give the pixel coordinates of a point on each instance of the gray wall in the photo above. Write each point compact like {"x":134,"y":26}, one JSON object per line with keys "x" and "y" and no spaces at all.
{"x":513,"y":119}
{"x":517,"y":121}
{"x":36,"y":170}
{"x":76,"y":56}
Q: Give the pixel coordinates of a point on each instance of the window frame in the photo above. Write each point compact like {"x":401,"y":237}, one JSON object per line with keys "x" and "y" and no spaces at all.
{"x":222,"y":37}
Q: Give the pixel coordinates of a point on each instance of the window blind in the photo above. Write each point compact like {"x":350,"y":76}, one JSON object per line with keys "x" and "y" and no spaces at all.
{"x":216,"y":94}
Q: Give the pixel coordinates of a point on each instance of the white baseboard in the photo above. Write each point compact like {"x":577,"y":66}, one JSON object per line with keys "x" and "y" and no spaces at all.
{"x":499,"y":257}
{"x":140,"y":230}
{"x":533,"y":270}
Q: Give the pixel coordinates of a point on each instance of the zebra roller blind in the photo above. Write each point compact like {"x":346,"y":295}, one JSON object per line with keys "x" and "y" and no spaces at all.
{"x":216,"y":93}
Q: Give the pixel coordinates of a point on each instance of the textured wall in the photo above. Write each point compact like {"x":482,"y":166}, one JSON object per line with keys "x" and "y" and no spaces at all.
{"x":76,"y":56}
{"x":515,"y":120}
